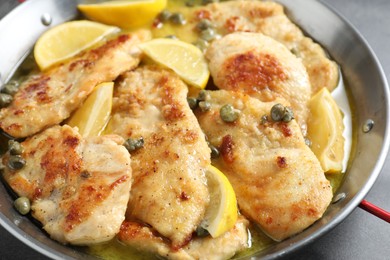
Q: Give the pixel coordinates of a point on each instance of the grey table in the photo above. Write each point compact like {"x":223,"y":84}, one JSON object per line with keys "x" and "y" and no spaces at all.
{"x":359,"y":236}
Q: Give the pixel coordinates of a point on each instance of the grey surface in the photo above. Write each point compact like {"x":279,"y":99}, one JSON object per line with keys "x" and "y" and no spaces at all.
{"x":361,"y":235}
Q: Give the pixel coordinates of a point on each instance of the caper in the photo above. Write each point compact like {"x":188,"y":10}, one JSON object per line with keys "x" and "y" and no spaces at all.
{"x":164,"y":15}
{"x":201,"y":44}
{"x":214,"y":151}
{"x":204,"y":106}
{"x":190,"y":3}
{"x":14,"y":147}
{"x":203,"y":95}
{"x":16,"y":162}
{"x":177,"y":18}
{"x":277,"y":112}
{"x":205,"y":2}
{"x":208,"y":34}
{"x":22,"y":205}
{"x":192,"y":102}
{"x":5,"y":99}
{"x":204,"y":24}
{"x":228,"y":113}
{"x":295,"y":51}
{"x":134,"y":144}
{"x":201,"y":232}
{"x":288,"y":115}
{"x":10,"y":88}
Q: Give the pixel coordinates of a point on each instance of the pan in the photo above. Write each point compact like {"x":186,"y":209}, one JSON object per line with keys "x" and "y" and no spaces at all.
{"x":361,"y":71}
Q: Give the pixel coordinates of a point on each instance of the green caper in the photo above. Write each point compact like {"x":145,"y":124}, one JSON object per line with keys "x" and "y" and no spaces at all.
{"x":177,"y":18}
{"x":190,"y":3}
{"x":288,"y":115}
{"x":16,"y":162}
{"x":192,"y":102}
{"x":134,"y":144}
{"x":164,"y":15}
{"x":10,"y":88}
{"x":22,"y":205}
{"x":5,"y":99}
{"x":214,"y":151}
{"x":205,"y":2}
{"x":208,"y":34}
{"x":203,"y":95}
{"x":201,"y":44}
{"x":295,"y":51}
{"x":277,"y":112}
{"x":228,"y":113}
{"x":201,"y":232}
{"x":204,"y":106}
{"x":204,"y":24}
{"x":14,"y":147}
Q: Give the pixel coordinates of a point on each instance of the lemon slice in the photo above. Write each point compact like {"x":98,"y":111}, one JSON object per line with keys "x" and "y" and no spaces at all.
{"x":183,"y":58}
{"x":325,"y":131}
{"x":125,"y":14}
{"x":68,"y":39}
{"x":92,"y":117}
{"x":221,"y":214}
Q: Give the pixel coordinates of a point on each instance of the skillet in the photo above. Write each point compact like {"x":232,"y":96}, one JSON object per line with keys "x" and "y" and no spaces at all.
{"x":361,"y":71}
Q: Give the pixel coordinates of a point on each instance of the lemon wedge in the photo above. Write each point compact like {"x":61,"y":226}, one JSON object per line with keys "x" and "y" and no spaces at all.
{"x":125,"y":14}
{"x":325,"y":131}
{"x":183,"y":58}
{"x":92,"y":117}
{"x":68,"y":39}
{"x":221,"y":214}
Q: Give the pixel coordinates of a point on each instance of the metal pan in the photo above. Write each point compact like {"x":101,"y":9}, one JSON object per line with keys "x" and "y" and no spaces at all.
{"x":361,"y":70}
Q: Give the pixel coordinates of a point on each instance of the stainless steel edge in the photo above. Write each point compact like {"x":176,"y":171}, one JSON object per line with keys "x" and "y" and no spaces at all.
{"x":20,"y":29}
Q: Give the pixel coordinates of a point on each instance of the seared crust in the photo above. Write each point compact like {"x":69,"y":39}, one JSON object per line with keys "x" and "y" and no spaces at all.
{"x":169,"y":191}
{"x":260,"y":67}
{"x":79,"y":188}
{"x":269,"y":18}
{"x":48,"y":98}
{"x":278,"y":180}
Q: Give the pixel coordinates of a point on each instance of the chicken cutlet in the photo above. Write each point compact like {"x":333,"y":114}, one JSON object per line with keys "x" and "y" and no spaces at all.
{"x":269,"y":18}
{"x":170,"y":187}
{"x":47,"y":98}
{"x":223,"y":247}
{"x":78,"y":188}
{"x":277,"y":179}
{"x":260,"y":67}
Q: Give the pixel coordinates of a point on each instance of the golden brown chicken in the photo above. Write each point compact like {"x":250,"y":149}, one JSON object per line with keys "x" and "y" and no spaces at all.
{"x":170,"y":188}
{"x":79,"y":188}
{"x":269,"y":18}
{"x":260,"y":67}
{"x":278,"y":180}
{"x":47,"y":98}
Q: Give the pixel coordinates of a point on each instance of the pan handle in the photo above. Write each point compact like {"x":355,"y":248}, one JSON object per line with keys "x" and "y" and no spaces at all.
{"x":375,"y":210}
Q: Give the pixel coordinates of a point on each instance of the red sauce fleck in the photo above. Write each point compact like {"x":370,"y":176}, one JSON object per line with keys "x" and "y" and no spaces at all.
{"x":250,"y":72}
{"x":18,"y":112}
{"x":226,"y":149}
{"x":119,"y":181}
{"x":71,"y":141}
{"x":281,"y":162}
{"x":269,"y":221}
{"x":37,"y":193}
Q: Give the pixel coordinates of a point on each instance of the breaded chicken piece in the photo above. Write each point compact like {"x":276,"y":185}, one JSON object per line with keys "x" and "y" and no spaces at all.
{"x":170,"y":187}
{"x":260,"y":67}
{"x":269,"y":18}
{"x":79,"y":188}
{"x":223,"y":247}
{"x":48,"y":98}
{"x":277,"y":179}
